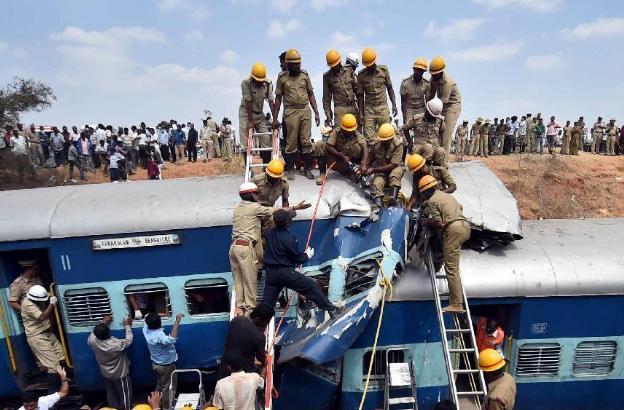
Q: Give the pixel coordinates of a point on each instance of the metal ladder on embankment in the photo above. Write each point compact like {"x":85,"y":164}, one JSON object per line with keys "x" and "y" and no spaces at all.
{"x":460,"y":353}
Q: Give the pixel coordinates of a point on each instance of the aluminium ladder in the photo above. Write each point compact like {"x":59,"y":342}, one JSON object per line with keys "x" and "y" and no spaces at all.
{"x":462,"y":358}
{"x":251,"y":149}
{"x":400,"y":378}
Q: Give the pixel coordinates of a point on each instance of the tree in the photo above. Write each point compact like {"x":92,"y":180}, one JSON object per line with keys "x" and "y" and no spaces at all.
{"x":23,"y":95}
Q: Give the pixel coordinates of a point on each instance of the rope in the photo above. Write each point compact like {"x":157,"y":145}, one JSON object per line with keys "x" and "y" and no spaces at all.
{"x":386,"y":284}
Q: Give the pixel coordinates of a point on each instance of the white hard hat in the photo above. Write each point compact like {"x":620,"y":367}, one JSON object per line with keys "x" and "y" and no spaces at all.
{"x":247,"y":187}
{"x":353,"y":59}
{"x":434,"y":107}
{"x":37,"y":293}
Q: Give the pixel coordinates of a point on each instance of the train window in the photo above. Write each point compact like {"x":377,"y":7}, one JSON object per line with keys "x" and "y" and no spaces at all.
{"x":538,"y":359}
{"x":150,"y":297}
{"x":378,"y":373}
{"x":86,"y":307}
{"x":361,"y":275}
{"x":207,"y":296}
{"x":595,"y":358}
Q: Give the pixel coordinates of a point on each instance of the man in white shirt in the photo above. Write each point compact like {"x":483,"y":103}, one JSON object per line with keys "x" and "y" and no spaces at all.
{"x":30,"y":401}
{"x":237,"y":391}
{"x":18,"y":142}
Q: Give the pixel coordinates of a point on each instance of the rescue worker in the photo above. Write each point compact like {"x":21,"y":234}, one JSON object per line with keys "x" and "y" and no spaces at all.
{"x":421,"y":165}
{"x":295,"y":88}
{"x":281,"y":258}
{"x":387,"y":163}
{"x":493,"y":140}
{"x":567,"y":135}
{"x":246,"y":235}
{"x":272,"y":184}
{"x":490,"y":335}
{"x":373,"y":81}
{"x":445,"y":88}
{"x":531,"y":124}
{"x":36,"y":309}
{"x":255,"y":89}
{"x":213,"y":129}
{"x":28,"y":278}
{"x":475,"y":132}
{"x":597,"y":133}
{"x":460,"y":140}
{"x":500,"y":385}
{"x":443,"y":213}
{"x":339,"y":86}
{"x":484,"y":139}
{"x":414,"y":90}
{"x":346,"y":147}
{"x":428,"y":126}
{"x":205,"y":136}
{"x":574,"y":139}
{"x":612,"y":132}
{"x":226,"y":138}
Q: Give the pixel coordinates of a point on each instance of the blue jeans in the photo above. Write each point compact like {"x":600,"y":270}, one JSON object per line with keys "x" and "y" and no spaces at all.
{"x":539,"y":145}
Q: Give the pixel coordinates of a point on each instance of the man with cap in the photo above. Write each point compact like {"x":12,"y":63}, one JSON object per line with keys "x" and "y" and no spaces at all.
{"x":444,"y":87}
{"x":246,"y":237}
{"x":475,"y":132}
{"x":373,"y":82}
{"x":28,"y":278}
{"x":414,"y":90}
{"x":612,"y":132}
{"x":212,"y":129}
{"x":387,"y":165}
{"x":484,"y":139}
{"x":460,"y":140}
{"x":422,"y":164}
{"x":428,"y":126}
{"x":256,"y":89}
{"x":272,"y":184}
{"x":339,"y":85}
{"x":295,"y":89}
{"x":36,"y":309}
{"x":346,"y":147}
{"x":501,"y":386}
{"x":443,"y":213}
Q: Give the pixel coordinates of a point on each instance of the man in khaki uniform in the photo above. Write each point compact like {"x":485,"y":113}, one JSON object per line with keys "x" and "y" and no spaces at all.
{"x":346,"y":146}
{"x":272,"y":184}
{"x":295,"y":88}
{"x":501,"y":385}
{"x":567,"y":135}
{"x":475,"y":132}
{"x":484,"y":142}
{"x":21,"y":284}
{"x":35,"y":311}
{"x":575,"y":138}
{"x":246,"y":236}
{"x":445,"y":88}
{"x":460,"y":140}
{"x":414,"y":90}
{"x":373,"y":81}
{"x":597,"y":132}
{"x":531,"y":124}
{"x":212,"y":128}
{"x":205,"y":135}
{"x":256,"y":89}
{"x":444,"y":213}
{"x":339,"y":85}
{"x":428,"y":126}
{"x":612,"y":132}
{"x":422,"y":164}
{"x":387,"y":163}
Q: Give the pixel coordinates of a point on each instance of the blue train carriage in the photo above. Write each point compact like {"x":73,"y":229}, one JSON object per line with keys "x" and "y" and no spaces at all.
{"x":99,"y":246}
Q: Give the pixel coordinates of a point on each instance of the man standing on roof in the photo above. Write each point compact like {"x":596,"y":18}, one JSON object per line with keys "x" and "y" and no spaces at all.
{"x":373,"y":82}
{"x":339,"y":85}
{"x":445,"y":88}
{"x":444,"y":213}
{"x":428,"y":126}
{"x":28,"y":278}
{"x":256,"y":89}
{"x":246,"y":236}
{"x":414,"y":91}
{"x":387,"y":163}
{"x":295,"y":89}
{"x":500,"y":385}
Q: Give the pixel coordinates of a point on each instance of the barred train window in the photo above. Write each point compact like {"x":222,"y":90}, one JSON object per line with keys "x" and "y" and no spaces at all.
{"x":149,"y":297}
{"x":206,"y":296}
{"x":378,"y":373}
{"x":538,"y":359}
{"x":595,"y":358}
{"x":86,"y":307}
{"x":361,"y":275}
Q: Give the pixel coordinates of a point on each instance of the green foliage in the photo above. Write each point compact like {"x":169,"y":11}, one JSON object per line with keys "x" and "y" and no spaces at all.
{"x":22,"y":95}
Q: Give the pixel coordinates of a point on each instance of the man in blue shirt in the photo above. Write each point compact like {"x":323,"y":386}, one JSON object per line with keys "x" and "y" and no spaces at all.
{"x":162,"y":352}
{"x":280,"y":257}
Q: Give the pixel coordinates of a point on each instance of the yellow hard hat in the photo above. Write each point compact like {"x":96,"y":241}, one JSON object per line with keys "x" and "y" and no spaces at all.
{"x":332,"y":57}
{"x":275,"y":168}
{"x":437,"y":65}
{"x":188,"y":407}
{"x":415,"y":162}
{"x":385,"y":132}
{"x":490,"y":360}
{"x":258,"y":71}
{"x":142,"y":407}
{"x":420,"y":63}
{"x":426,"y":182}
{"x":293,"y":56}
{"x":348,"y":122}
{"x":369,"y":56}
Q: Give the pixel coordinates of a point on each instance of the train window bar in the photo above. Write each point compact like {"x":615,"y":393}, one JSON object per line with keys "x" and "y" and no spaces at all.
{"x":538,"y":359}
{"x":207,"y":296}
{"x":594,"y":358}
{"x":148,"y":297}
{"x":86,"y":307}
{"x":378,"y":374}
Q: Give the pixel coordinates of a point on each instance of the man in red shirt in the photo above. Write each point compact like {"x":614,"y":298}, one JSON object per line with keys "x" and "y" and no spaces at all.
{"x":490,"y":335}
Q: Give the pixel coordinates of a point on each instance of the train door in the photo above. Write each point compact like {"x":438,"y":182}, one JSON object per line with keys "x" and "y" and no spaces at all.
{"x":10,"y":269}
{"x":499,"y":321}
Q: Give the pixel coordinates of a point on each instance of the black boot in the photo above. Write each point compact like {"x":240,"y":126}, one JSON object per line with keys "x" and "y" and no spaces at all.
{"x":395,"y":192}
{"x":307,"y":158}
{"x":322,"y":164}
{"x":393,"y":197}
{"x":288,"y":159}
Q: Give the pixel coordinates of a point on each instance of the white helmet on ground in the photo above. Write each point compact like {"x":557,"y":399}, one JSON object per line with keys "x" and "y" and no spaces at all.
{"x":247,"y":187}
{"x":37,"y":293}
{"x":434,"y":107}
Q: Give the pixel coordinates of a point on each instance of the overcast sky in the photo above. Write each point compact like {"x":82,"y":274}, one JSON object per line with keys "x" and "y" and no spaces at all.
{"x":122,"y":62}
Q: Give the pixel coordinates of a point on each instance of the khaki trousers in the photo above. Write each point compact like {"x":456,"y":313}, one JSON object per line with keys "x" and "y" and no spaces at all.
{"x":393,"y":179}
{"x":298,"y":130}
{"x":565,"y":146}
{"x":47,"y":350}
{"x":451,"y":114}
{"x":455,"y":234}
{"x":595,"y":146}
{"x":483,"y":145}
{"x":341,"y":110}
{"x":243,"y":131}
{"x":227,"y":148}
{"x":373,"y":118}
{"x":610,"y":145}
{"x":244,"y":263}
